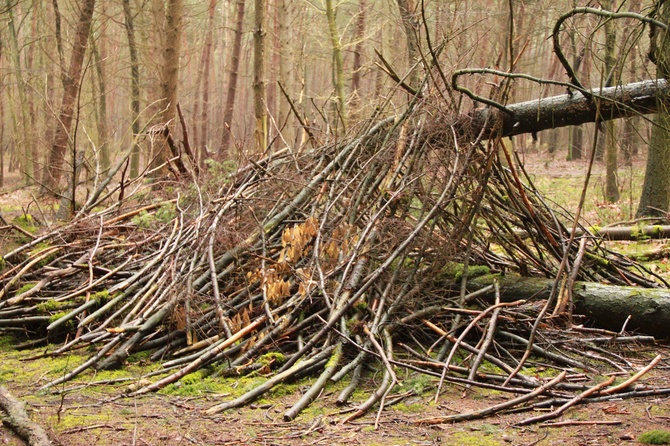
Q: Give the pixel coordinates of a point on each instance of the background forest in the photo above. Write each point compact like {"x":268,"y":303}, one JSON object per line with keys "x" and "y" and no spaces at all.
{"x":321,"y":66}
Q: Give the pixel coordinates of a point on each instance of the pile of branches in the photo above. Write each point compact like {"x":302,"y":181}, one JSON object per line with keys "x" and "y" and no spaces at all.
{"x":327,"y":262}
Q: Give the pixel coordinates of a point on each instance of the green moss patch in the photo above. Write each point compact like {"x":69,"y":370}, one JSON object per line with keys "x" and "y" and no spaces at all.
{"x":657,"y":436}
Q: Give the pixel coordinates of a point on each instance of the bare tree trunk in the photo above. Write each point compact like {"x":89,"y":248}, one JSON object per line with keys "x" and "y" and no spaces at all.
{"x":577,"y":132}
{"x":285,"y":63}
{"x":338,"y":65}
{"x":407,"y":14}
{"x":53,"y":169}
{"x":134,"y":89}
{"x":206,"y":64}
{"x":30,"y":93}
{"x":26,"y":139}
{"x":261,"y":126}
{"x":224,"y":150}
{"x":611,"y":148}
{"x":359,"y":31}
{"x":629,"y":138}
{"x":103,"y":133}
{"x":169,"y":79}
{"x":655,"y":196}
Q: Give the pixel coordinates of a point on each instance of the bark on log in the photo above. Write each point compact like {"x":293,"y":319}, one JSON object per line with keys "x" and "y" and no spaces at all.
{"x":567,"y":109}
{"x":631,"y":232}
{"x":20,"y":422}
{"x":606,"y":306}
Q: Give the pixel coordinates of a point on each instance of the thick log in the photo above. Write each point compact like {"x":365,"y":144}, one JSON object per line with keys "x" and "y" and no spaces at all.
{"x":605,"y":306}
{"x":566,"y":109}
{"x":631,"y":232}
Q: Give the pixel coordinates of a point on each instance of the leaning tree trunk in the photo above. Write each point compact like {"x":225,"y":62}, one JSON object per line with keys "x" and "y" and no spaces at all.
{"x":564,"y":110}
{"x":52,"y":171}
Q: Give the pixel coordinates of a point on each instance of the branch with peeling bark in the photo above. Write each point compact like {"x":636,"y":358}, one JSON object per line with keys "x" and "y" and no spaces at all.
{"x":17,"y":418}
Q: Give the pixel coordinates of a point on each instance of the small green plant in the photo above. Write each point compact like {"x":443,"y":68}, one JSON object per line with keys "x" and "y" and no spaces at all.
{"x":166,"y":213}
{"x":657,"y":436}
{"x":143,"y":219}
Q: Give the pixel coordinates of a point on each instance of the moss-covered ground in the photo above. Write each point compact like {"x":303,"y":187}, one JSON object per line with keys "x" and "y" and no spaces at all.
{"x":91,"y":410}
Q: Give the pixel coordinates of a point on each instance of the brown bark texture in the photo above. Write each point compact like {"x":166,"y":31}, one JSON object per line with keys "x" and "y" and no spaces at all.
{"x":52,"y":172}
{"x":260,"y":129}
{"x":231,"y":92}
{"x":170,"y":73}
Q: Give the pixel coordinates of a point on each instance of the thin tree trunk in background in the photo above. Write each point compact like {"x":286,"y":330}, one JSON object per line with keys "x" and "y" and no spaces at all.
{"x":206,"y":64}
{"x":577,"y":132}
{"x":30,"y":60}
{"x":272,"y":74}
{"x":26,"y":132}
{"x":224,"y":150}
{"x":134,"y":89}
{"x":629,"y":133}
{"x":629,"y":138}
{"x":103,"y":133}
{"x":261,"y":126}
{"x":59,"y":42}
{"x":338,"y":65}
{"x":411,"y":25}
{"x":655,"y":196}
{"x":285,"y":122}
{"x":359,"y":32}
{"x":611,"y":149}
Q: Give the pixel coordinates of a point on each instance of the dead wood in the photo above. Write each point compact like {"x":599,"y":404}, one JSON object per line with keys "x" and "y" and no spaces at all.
{"x":645,"y":310}
{"x":17,"y":418}
{"x":630,"y":232}
{"x":573,"y":108}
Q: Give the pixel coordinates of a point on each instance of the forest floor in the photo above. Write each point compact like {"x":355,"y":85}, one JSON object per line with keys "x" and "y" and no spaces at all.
{"x":84,"y":415}
{"x":88,"y":413}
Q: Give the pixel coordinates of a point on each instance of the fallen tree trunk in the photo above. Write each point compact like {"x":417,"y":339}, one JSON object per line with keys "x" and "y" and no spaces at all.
{"x":606,"y":306}
{"x":566,"y":109}
{"x":20,"y":422}
{"x":631,"y":232}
